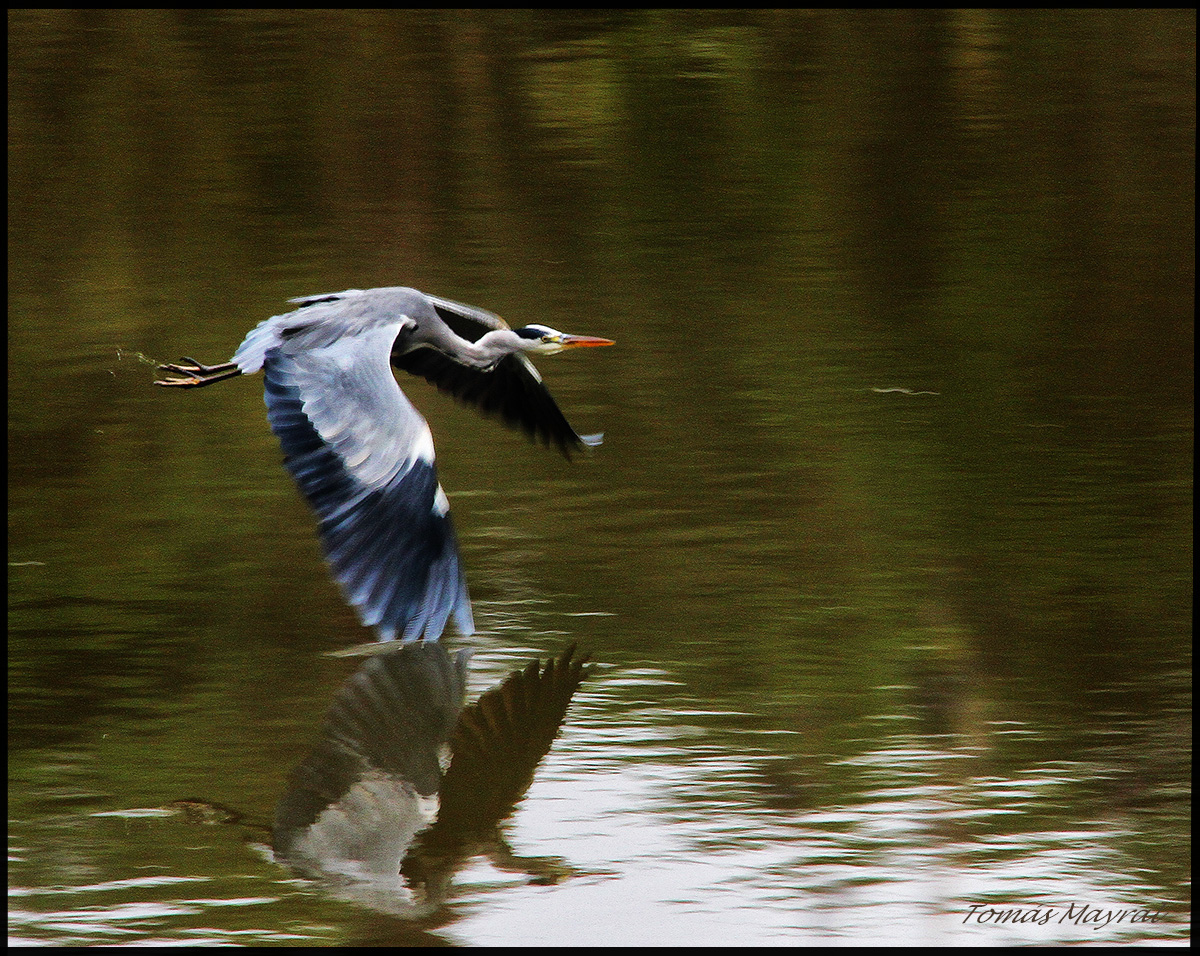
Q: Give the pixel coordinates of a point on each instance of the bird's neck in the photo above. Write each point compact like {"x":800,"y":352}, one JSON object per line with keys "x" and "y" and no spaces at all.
{"x":483,"y":354}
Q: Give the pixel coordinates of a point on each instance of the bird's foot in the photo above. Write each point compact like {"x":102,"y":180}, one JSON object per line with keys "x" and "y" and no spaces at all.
{"x":193,"y":374}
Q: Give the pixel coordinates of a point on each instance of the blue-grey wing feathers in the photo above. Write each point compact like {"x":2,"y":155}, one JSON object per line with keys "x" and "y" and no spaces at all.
{"x":363,"y":457}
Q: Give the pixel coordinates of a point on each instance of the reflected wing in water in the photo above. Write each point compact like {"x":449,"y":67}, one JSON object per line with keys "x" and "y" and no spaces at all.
{"x":357,"y":803}
{"x":501,"y":738}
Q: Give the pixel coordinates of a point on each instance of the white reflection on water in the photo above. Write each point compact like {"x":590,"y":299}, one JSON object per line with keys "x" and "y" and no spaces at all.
{"x":678,"y":845}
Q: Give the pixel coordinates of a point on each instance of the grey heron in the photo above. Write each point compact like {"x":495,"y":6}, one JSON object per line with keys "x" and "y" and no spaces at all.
{"x":363,"y":455}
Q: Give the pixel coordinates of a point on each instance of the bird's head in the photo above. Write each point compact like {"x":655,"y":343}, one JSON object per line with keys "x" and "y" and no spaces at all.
{"x":543,"y":340}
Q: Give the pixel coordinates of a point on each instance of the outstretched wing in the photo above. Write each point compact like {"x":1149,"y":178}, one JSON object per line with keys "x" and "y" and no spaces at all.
{"x":363,"y":457}
{"x":511,"y":390}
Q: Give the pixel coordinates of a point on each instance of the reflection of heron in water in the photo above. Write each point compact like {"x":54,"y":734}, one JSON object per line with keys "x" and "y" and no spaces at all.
{"x":374,"y":813}
{"x":363,"y":455}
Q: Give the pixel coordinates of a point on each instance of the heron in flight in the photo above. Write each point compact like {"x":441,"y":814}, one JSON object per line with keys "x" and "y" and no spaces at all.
{"x":363,"y":455}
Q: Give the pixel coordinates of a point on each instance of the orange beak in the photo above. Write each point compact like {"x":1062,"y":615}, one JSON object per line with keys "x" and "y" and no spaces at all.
{"x":583,"y":341}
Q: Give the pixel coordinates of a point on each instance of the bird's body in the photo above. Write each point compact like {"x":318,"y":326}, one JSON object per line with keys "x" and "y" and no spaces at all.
{"x":363,"y":455}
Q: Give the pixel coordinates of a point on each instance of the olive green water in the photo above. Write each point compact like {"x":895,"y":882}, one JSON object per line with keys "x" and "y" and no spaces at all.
{"x":886,"y":558}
